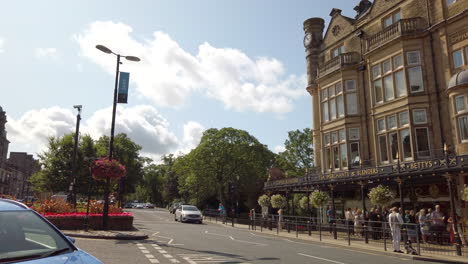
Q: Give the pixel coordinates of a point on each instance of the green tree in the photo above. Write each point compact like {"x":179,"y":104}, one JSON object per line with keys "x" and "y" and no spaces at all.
{"x":127,"y":153}
{"x":298,"y":157}
{"x":231,"y":156}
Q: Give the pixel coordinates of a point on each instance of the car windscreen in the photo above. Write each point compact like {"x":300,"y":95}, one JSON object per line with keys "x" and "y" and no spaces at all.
{"x":24,"y":236}
{"x":189,"y":208}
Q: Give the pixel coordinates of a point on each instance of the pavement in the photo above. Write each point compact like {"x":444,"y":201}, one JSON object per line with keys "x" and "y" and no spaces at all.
{"x":173,"y":242}
{"x":371,"y":248}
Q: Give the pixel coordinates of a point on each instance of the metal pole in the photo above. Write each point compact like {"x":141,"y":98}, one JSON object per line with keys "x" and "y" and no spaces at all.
{"x":363,"y":198}
{"x":335,"y":235}
{"x":105,"y":223}
{"x":75,"y":154}
{"x":453,"y":214}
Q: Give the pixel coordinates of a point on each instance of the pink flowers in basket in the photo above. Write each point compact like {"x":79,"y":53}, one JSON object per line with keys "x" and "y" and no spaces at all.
{"x":104,"y":168}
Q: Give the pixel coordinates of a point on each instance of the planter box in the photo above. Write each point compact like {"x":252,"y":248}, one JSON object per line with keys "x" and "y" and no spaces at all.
{"x":77,"y":221}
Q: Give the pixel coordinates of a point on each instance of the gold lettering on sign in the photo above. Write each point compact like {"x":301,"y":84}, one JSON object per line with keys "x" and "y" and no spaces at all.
{"x":420,"y":165}
{"x":459,"y":36}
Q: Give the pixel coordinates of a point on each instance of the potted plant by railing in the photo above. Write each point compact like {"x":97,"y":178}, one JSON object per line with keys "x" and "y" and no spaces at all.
{"x":381,"y":195}
{"x":318,"y":199}
{"x":264,"y":202}
{"x":107,"y":170}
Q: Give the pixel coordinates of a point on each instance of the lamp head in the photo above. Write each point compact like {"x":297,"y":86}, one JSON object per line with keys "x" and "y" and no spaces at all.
{"x":445,"y":147}
{"x":103,"y":49}
{"x":77,"y":106}
{"x":132,"y":58}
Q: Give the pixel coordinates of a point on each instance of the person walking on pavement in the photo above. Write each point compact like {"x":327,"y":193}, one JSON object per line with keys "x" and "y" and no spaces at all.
{"x":280,"y":219}
{"x":222,"y":212}
{"x":395,"y":221}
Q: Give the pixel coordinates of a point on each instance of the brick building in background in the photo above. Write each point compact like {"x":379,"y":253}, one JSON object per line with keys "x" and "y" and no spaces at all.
{"x":15,"y":170}
{"x":389,"y":93}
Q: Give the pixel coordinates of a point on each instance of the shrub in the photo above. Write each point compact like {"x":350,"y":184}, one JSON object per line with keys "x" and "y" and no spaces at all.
{"x":381,"y":195}
{"x":278,"y":201}
{"x":52,"y":206}
{"x":303,"y":203}
{"x":318,"y":198}
{"x":264,"y":201}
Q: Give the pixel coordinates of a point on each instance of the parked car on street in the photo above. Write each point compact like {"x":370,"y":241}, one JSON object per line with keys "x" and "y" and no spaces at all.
{"x":27,"y":237}
{"x":188,"y":213}
{"x":128,"y":205}
{"x":139,"y":206}
{"x":149,"y":205}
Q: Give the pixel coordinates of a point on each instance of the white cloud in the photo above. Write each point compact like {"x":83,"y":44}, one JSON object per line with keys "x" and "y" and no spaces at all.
{"x":46,"y":53}
{"x":31,"y":131}
{"x":279,"y":148}
{"x":2,"y":43}
{"x":193,"y":132}
{"x":168,"y":75}
{"x":142,"y":123}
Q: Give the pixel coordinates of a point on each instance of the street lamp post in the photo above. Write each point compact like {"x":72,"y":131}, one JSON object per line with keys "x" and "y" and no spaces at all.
{"x":111,"y":142}
{"x":75,"y":154}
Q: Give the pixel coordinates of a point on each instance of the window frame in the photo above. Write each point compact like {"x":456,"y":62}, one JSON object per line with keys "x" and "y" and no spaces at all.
{"x":414,"y":116}
{"x":417,"y":142}
{"x":462,"y":57}
{"x":392,"y":18}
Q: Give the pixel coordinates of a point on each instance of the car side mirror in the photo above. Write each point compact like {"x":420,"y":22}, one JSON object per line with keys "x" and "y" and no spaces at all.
{"x":71,"y":239}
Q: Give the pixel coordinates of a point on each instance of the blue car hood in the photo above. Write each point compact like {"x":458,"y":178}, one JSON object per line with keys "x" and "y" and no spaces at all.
{"x":75,"y":257}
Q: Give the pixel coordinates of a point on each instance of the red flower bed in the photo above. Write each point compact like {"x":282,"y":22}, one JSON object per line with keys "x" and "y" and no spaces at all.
{"x":73,"y":221}
{"x":82,"y":214}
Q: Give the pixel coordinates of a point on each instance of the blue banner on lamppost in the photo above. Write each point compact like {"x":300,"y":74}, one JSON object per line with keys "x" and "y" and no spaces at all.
{"x":122,"y":96}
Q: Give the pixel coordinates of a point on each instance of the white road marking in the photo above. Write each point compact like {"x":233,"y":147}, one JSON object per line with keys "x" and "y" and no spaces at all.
{"x":153,"y":260}
{"x":237,"y":240}
{"x":145,"y":251}
{"x":329,"y":260}
{"x":149,"y":256}
{"x":139,"y":244}
{"x":162,"y":251}
{"x":170,"y":241}
{"x":167,"y":256}
{"x":174,"y":261}
{"x":189,"y":261}
{"x":155,"y":233}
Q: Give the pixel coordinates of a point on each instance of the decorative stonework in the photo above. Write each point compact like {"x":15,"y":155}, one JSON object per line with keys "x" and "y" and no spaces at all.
{"x":459,"y":36}
{"x":336,"y":30}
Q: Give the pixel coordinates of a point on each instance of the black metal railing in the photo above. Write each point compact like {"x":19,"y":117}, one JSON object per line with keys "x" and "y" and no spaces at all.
{"x":422,"y":240}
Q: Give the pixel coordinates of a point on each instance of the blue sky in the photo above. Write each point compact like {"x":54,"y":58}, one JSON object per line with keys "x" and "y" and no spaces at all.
{"x":204,"y":64}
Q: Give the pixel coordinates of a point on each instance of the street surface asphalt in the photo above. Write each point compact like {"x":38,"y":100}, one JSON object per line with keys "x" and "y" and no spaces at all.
{"x":174,"y":242}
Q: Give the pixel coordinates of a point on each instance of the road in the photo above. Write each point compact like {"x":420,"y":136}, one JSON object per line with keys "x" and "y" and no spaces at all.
{"x":174,"y":242}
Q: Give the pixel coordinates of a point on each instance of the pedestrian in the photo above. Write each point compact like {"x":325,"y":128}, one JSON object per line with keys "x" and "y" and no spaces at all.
{"x":411,"y":230}
{"x":424,"y":224}
{"x":349,"y":220}
{"x":222,"y":212}
{"x":331,"y":217}
{"x":395,"y":221}
{"x":280,"y":219}
{"x":438,"y":225}
{"x":358,"y":223}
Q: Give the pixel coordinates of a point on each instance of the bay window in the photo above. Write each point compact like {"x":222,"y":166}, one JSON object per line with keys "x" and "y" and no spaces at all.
{"x":457,"y":57}
{"x":389,"y":79}
{"x":462,"y":118}
{"x":415,"y":78}
{"x":333,"y":100}
{"x":405,"y":141}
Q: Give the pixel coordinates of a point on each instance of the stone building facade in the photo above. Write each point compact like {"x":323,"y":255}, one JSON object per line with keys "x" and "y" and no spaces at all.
{"x":389,"y":90}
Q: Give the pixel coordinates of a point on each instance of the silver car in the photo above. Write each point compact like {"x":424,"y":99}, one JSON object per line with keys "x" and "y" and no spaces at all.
{"x":188,"y":213}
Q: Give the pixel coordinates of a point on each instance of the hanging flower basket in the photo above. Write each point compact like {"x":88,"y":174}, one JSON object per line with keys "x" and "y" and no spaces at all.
{"x":381,"y":195}
{"x":318,"y":198}
{"x":278,"y":201}
{"x":104,"y":168}
{"x":264,"y":200}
